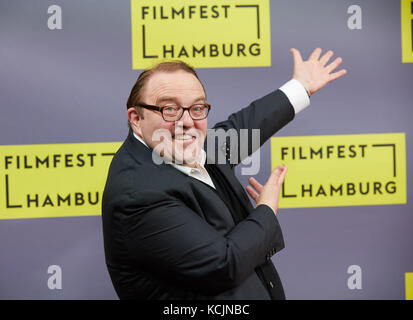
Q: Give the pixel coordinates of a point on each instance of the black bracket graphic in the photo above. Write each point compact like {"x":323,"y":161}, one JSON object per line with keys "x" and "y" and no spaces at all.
{"x":256,"y":6}
{"x":144,"y":44}
{"x":394,"y":154}
{"x":283,"y":195}
{"x":8,"y":205}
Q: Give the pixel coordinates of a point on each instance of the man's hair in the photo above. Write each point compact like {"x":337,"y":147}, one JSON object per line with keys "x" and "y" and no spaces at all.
{"x":168,"y":66}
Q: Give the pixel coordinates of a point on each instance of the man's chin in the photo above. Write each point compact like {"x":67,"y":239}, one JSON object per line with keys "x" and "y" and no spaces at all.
{"x":186,"y":152}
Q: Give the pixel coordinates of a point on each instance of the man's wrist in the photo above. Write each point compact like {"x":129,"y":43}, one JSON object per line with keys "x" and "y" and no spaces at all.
{"x":297,"y":94}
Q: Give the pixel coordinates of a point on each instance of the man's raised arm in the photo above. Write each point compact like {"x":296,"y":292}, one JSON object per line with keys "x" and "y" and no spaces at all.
{"x":273,"y":111}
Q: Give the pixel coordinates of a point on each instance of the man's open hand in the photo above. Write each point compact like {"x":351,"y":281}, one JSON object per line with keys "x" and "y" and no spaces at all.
{"x":269,"y":193}
{"x":315,"y":73}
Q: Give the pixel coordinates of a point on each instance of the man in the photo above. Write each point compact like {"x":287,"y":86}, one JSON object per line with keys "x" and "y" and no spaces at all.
{"x":183,"y":227}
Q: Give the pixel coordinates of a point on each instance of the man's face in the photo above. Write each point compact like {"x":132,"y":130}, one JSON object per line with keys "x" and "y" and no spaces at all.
{"x":187,"y":136}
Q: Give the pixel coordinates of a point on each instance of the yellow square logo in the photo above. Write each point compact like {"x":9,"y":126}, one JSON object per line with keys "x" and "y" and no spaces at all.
{"x":407,"y":30}
{"x":342,"y":170}
{"x":53,"y":180}
{"x":205,"y":34}
{"x":409,"y":285}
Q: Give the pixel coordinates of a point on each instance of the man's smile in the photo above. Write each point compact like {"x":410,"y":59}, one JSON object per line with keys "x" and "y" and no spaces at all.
{"x":183,"y":137}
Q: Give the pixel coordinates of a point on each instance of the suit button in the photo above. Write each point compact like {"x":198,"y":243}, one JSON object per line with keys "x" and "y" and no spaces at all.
{"x":271,"y":285}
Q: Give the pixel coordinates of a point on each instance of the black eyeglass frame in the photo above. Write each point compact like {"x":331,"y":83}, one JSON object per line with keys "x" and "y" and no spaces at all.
{"x":160,"y":109}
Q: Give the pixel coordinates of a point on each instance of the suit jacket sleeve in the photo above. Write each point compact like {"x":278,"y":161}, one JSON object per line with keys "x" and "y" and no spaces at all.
{"x":165,"y":237}
{"x":267,"y":114}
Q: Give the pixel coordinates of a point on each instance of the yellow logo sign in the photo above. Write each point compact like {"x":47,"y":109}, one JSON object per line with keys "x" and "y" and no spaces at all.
{"x":409,"y":285}
{"x":407,"y":30}
{"x":205,"y":34}
{"x":54,"y":180}
{"x":341,"y":170}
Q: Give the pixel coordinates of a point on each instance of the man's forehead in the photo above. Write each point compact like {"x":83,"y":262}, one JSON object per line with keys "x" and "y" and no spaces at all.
{"x":169,"y":82}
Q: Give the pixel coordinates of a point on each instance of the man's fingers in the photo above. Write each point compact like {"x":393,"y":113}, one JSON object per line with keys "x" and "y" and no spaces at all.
{"x":255,"y":184}
{"x":334,"y":64}
{"x":282,"y":176}
{"x":338,"y":74}
{"x":327,"y":56}
{"x":296,"y":56}
{"x":315,"y":54}
{"x":252,"y":193}
{"x":277,"y":175}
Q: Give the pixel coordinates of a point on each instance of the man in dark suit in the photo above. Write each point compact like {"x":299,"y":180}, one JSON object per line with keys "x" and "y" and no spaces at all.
{"x":177,"y":224}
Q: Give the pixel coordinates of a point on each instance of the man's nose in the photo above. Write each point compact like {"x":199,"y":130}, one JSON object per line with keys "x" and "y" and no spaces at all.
{"x":186,"y":121}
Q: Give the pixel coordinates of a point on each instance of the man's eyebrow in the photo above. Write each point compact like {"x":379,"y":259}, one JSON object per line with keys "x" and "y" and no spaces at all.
{"x":200,"y":98}
{"x":175,"y":100}
{"x":165,"y":98}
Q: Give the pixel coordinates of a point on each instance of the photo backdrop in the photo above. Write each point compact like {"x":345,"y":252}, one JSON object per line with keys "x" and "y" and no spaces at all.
{"x":66,"y":70}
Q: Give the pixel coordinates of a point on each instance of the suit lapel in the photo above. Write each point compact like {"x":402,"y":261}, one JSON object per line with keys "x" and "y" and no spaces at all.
{"x":144,"y":155}
{"x":141,"y":153}
{"x":228,"y":173}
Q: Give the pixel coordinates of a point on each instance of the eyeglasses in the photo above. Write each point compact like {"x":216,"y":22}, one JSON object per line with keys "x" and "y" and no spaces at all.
{"x":173,"y":112}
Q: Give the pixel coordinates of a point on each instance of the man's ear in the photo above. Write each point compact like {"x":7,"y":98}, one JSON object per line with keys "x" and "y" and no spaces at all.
{"x":134,"y":119}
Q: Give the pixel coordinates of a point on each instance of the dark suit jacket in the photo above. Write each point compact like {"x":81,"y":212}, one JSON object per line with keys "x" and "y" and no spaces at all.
{"x":170,"y":236}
